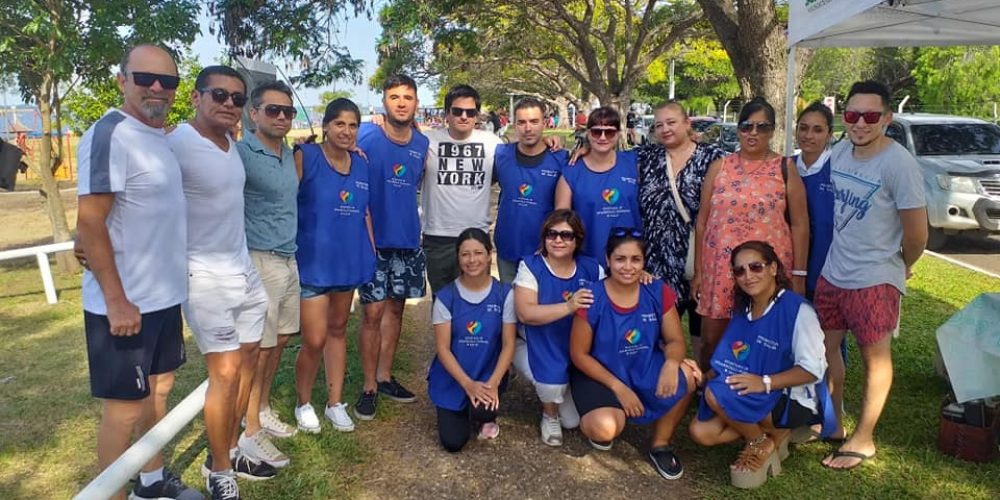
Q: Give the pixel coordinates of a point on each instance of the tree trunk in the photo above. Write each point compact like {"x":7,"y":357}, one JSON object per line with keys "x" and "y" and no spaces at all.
{"x":57,"y":108}
{"x":50,"y":188}
{"x":562,"y":108}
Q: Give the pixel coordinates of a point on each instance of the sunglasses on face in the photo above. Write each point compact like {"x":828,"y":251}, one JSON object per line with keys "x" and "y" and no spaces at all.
{"x":468,"y":112}
{"x":754,"y":267}
{"x":273,"y":110}
{"x":168,"y":82}
{"x":598,"y":132}
{"x":869,"y":116}
{"x":761,"y":127}
{"x":552,"y":234}
{"x":222,"y":95}
{"x":621,"y":232}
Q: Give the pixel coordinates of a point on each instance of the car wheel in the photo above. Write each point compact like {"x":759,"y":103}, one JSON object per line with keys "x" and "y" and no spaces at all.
{"x":936,"y":239}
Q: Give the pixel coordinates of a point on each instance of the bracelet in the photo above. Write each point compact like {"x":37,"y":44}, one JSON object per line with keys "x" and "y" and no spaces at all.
{"x":767,"y":383}
{"x":799,"y":272}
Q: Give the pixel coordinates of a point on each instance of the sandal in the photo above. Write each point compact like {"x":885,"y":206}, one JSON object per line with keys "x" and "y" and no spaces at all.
{"x":782,"y":446}
{"x":755,"y":463}
{"x":862,"y":458}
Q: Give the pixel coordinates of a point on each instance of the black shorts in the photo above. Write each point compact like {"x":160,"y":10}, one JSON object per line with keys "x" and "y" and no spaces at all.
{"x":589,"y":394}
{"x":120,"y":366}
{"x":797,"y":415}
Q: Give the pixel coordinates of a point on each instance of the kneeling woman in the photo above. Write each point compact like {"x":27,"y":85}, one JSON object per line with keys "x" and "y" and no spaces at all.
{"x":474,"y":330}
{"x":628,"y":349}
{"x":766,"y":373}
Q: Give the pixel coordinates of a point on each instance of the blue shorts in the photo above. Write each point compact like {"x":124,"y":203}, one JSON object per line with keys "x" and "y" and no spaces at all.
{"x":399,"y":275}
{"x":309,"y":291}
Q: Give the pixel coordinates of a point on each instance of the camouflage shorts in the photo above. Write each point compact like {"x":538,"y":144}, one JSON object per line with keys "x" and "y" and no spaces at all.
{"x":399,"y":274}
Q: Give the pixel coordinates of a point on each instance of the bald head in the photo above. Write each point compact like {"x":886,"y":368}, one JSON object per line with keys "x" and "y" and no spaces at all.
{"x":144,"y":70}
{"x":151,"y":58}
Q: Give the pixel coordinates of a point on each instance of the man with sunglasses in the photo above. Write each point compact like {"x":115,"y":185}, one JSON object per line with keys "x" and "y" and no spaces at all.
{"x":134,"y":277}
{"x":227,"y":302}
{"x":271,"y":219}
{"x":880,"y":230}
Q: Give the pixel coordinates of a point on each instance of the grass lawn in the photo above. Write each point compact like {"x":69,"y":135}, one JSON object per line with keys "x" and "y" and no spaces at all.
{"x":48,"y":419}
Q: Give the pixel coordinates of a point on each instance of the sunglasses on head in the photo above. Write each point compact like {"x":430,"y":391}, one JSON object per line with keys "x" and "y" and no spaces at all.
{"x":468,"y":112}
{"x":761,"y":127}
{"x":598,"y":132}
{"x":273,"y":110}
{"x":754,"y":267}
{"x":222,"y":95}
{"x":869,"y":116}
{"x":168,"y":82}
{"x":552,"y":234}
{"x":621,"y":232}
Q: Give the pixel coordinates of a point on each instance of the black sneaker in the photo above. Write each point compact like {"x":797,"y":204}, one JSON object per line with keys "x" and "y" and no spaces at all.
{"x":168,"y":487}
{"x":666,"y":462}
{"x":365,"y":407}
{"x":244,"y":468}
{"x":395,"y":391}
{"x":223,"y":487}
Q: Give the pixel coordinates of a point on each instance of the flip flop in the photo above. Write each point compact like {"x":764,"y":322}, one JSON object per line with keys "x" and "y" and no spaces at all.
{"x":850,"y":454}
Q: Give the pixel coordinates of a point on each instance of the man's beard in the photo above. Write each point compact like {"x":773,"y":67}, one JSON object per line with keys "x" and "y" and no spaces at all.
{"x":154,"y":111}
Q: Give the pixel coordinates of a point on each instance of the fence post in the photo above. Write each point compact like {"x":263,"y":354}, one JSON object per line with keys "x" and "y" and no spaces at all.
{"x":43,"y":267}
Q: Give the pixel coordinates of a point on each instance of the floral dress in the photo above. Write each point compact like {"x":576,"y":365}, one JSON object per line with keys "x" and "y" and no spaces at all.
{"x":748,"y":203}
{"x":667,"y":234}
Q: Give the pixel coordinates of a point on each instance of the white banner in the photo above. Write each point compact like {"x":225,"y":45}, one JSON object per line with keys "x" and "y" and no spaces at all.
{"x":809,"y":17}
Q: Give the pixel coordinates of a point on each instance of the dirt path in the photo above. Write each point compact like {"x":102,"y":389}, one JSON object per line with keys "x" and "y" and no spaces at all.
{"x":408,"y":462}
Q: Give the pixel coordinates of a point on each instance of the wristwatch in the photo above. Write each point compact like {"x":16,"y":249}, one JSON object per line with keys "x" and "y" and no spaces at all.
{"x":767,"y":383}
{"x":799,"y":272}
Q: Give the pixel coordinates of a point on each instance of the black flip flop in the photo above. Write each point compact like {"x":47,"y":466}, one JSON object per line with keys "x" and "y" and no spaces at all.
{"x":850,"y":454}
{"x":836,"y":441}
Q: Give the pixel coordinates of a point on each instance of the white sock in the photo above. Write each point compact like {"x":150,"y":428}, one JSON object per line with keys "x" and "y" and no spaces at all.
{"x":234,"y":452}
{"x":148,"y":478}
{"x":227,"y":472}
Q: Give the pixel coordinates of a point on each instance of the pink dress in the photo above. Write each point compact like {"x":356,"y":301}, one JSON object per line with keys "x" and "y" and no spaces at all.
{"x":748,"y":203}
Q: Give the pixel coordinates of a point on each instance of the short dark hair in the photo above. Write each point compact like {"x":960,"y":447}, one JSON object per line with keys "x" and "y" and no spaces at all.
{"x":629,"y":236}
{"x":205,"y":74}
{"x":458,"y":92}
{"x":128,"y":55}
{"x":741,"y":299}
{"x":399,"y":80}
{"x":338,"y":106}
{"x":871,"y":87}
{"x":530,"y":102}
{"x":569,"y":217}
{"x":822,"y":109}
{"x":473,"y":233}
{"x":605,"y":115}
{"x":277,"y":86}
{"x":754,"y":105}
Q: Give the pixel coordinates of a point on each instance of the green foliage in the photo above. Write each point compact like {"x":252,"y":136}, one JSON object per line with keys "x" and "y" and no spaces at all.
{"x":328,"y":96}
{"x":702,"y":70}
{"x":958,"y":80}
{"x":831,"y":71}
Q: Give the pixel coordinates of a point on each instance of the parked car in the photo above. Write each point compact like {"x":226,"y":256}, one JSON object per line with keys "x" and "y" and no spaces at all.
{"x":699,"y":124}
{"x":644,"y":129}
{"x":960,"y":161}
{"x":722,"y":135}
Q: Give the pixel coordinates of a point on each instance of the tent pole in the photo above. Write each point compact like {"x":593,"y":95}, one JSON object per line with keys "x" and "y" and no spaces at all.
{"x":790,"y":103}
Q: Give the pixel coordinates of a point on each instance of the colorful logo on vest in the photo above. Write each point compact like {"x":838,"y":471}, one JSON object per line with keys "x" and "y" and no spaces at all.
{"x":473,"y":327}
{"x":632,"y":336}
{"x":525,"y":190}
{"x":567,"y":295}
{"x":741,"y":351}
{"x":399,"y":170}
{"x":610,"y":196}
{"x":346,"y":196}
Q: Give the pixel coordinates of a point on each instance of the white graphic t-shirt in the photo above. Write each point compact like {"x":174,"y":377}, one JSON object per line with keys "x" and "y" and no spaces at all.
{"x":456,"y":189}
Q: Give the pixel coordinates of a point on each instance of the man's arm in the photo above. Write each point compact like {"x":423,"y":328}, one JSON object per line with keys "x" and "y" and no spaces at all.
{"x":914,"y":222}
{"x":92,"y":231}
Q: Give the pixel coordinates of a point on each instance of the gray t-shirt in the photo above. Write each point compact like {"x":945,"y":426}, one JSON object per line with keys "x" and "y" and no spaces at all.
{"x":441,"y":314}
{"x":868,"y":234}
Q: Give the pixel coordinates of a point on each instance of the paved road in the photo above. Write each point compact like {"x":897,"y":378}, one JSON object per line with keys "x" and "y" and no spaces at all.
{"x":979,"y":252}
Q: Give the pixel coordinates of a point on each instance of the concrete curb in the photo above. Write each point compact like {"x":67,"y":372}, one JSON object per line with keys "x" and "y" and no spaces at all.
{"x":962,"y":264}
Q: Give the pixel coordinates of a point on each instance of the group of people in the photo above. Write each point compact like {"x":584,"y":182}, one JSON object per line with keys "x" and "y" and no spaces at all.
{"x":599,"y":254}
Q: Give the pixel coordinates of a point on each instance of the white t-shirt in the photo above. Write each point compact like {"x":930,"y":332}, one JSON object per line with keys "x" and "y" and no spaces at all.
{"x":441,"y":314}
{"x":526,"y":279}
{"x":213,"y":186}
{"x":457,"y":180}
{"x":146,"y":225}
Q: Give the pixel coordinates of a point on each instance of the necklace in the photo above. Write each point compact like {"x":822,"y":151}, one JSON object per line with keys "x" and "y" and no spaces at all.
{"x":333,"y":164}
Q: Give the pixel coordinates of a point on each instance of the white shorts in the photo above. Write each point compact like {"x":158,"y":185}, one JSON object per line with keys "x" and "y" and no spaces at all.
{"x":225,"y":311}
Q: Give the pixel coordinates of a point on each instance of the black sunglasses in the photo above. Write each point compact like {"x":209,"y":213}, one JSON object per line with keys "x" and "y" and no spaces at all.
{"x":468,"y":112}
{"x":168,"y":82}
{"x":754,"y":267}
{"x":762,"y":127}
{"x":621,"y":232}
{"x":221,"y":95}
{"x":273,"y":110}
{"x":552,"y":234}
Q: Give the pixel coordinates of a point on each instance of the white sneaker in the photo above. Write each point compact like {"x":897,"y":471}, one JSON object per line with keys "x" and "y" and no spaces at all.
{"x":261,"y":449}
{"x":551,"y":430}
{"x":270,"y":422}
{"x":339,"y":418}
{"x":306,"y":418}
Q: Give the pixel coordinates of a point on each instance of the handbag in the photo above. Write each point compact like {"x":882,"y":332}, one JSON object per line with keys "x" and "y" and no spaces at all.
{"x":681,"y":209}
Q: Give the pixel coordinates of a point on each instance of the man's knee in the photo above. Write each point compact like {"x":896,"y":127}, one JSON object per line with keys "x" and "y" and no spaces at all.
{"x":161,"y":385}
{"x":122,"y":414}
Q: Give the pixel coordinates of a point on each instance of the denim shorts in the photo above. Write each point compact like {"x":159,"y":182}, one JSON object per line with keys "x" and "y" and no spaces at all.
{"x":309,"y":291}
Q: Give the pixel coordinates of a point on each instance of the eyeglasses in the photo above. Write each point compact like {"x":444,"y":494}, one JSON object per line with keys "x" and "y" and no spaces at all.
{"x":754,"y":267}
{"x":598,"y":132}
{"x":468,"y":112}
{"x":221,"y":95}
{"x":621,"y":232}
{"x":760,"y":127}
{"x":869,"y":116}
{"x":273,"y":110}
{"x":552,"y":234}
{"x":168,"y":82}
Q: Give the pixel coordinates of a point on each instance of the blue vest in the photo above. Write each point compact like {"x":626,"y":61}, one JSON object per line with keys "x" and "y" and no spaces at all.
{"x":819,"y":197}
{"x":605,"y":200}
{"x":628,"y":344}
{"x":527,"y":195}
{"x":548,"y":345}
{"x":396,"y":171}
{"x":476,"y":341}
{"x":334,"y":249}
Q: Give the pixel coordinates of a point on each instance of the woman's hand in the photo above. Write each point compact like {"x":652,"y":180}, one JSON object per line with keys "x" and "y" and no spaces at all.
{"x":746,"y":383}
{"x":666,"y":386}
{"x":581,"y":299}
{"x":481,"y":393}
{"x":578,"y":153}
{"x":554,"y":142}
{"x":799,"y":285}
{"x":629,"y":401}
{"x":696,"y":287}
{"x":646,"y":278}
{"x":690,"y":367}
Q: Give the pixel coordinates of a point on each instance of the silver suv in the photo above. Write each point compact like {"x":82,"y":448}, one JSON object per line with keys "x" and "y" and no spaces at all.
{"x":960,"y":161}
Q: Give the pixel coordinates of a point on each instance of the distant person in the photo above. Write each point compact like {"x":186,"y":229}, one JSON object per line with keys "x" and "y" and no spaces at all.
{"x":132,"y":231}
{"x":631,"y":122}
{"x":10,"y":164}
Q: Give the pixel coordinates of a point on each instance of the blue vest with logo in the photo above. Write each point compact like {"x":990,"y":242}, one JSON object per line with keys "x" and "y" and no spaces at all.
{"x":548,"y":345}
{"x":628,"y":344}
{"x":476,"y":341}
{"x":605,"y":200}
{"x":819,"y":197}
{"x":396,"y":170}
{"x":334,"y":249}
{"x":527,"y":195}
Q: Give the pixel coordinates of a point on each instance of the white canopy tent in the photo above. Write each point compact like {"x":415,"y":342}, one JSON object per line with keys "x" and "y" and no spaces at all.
{"x":885,"y":23}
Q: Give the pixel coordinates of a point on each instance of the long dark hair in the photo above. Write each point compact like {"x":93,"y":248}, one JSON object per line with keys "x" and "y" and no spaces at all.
{"x":740,"y":299}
